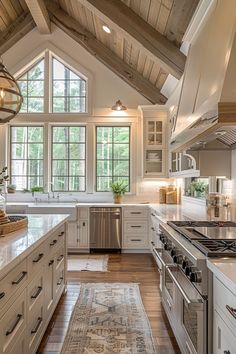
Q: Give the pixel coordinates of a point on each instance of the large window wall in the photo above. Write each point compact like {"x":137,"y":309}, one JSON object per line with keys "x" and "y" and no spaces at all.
{"x":68,"y":158}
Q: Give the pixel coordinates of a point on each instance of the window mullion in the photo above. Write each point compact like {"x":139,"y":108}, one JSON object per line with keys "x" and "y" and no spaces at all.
{"x":47,"y":82}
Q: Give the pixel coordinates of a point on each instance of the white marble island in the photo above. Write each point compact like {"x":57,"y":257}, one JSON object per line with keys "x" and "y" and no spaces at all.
{"x":32,"y":280}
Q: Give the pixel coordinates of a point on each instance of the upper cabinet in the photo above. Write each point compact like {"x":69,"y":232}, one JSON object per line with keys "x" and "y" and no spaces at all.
{"x":154,"y":141}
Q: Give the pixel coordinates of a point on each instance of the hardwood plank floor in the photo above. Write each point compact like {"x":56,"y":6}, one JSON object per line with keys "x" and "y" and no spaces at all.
{"x":138,"y":268}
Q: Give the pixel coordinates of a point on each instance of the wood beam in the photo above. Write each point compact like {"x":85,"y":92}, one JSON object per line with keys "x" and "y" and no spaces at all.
{"x":87,"y":40}
{"x":40,"y":15}
{"x":156,"y":46}
{"x":19,"y":28}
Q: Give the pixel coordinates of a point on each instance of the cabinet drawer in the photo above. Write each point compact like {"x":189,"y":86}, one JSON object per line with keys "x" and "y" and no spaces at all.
{"x":224,"y":341}
{"x":35,"y":292}
{"x":13,"y":323}
{"x":35,"y":327}
{"x":59,"y":280}
{"x":135,"y":241}
{"x":136,"y":212}
{"x":20,"y":345}
{"x":56,"y":240}
{"x":12,"y":282}
{"x":136,"y":227}
{"x":225,"y":302}
{"x":36,"y":259}
{"x":60,"y":258}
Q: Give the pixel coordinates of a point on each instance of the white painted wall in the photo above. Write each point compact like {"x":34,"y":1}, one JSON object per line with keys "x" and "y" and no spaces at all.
{"x":106,"y":86}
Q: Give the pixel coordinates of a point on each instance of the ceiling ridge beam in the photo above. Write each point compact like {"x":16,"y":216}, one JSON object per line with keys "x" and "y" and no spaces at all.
{"x":18,"y":29}
{"x":40,"y":15}
{"x":156,"y":46}
{"x":88,"y":41}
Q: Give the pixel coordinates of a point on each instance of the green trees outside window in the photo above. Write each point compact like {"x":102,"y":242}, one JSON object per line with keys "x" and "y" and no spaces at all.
{"x":68,"y":158}
{"x":27,"y":157}
{"x":112,"y":156}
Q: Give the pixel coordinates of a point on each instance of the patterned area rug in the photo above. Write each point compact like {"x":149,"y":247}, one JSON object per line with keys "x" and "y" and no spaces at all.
{"x":93,"y":263}
{"x":109,"y":319}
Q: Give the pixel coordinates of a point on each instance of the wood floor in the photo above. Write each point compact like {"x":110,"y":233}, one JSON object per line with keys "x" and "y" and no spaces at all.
{"x":138,"y":268}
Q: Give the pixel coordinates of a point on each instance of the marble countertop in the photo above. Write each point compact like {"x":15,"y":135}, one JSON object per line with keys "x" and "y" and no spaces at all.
{"x":17,"y":245}
{"x":225,"y":270}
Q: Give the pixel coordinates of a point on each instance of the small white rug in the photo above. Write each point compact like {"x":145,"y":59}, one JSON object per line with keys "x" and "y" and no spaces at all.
{"x":90,"y":262}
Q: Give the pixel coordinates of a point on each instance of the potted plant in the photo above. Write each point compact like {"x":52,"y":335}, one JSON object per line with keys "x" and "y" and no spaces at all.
{"x":199,"y":188}
{"x":118,"y":189}
{"x":36,"y":189}
{"x":11,"y":188}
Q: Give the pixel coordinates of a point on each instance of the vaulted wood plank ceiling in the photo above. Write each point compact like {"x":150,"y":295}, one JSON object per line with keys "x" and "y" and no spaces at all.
{"x":141,"y":51}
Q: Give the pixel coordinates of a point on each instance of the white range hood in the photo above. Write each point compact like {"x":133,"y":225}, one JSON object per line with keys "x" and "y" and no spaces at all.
{"x":206,"y":113}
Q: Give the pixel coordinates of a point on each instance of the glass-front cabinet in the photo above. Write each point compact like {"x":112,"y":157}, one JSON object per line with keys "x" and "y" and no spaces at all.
{"x":155,"y":146}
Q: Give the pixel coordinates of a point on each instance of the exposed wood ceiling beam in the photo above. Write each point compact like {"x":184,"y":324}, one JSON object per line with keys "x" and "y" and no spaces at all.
{"x":40,"y":15}
{"x":157,"y":46}
{"x":73,"y":28}
{"x":20,"y":27}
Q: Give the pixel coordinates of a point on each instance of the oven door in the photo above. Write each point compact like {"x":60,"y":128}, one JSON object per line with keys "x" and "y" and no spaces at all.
{"x":191,"y":313}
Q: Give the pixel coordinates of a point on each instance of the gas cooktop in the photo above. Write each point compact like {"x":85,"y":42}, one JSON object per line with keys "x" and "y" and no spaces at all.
{"x":213,"y":238}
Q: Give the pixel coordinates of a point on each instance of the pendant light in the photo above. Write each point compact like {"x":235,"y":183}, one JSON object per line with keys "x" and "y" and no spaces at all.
{"x":10,"y":95}
{"x":118,"y":106}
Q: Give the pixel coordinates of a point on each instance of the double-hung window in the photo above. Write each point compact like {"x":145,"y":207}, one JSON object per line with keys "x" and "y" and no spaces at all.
{"x":68,"y":158}
{"x":112,"y":156}
{"x":26,"y":156}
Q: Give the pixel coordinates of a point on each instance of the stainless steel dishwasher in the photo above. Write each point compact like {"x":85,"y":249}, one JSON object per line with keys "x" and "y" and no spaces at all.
{"x":105,"y":229}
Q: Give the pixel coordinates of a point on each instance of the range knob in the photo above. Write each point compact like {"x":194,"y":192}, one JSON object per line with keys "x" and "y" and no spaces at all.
{"x":184,"y":264}
{"x":167,"y":246}
{"x":177,"y":258}
{"x":162,"y":238}
{"x":196,"y":277}
{"x":173,"y":252}
{"x":187,"y":270}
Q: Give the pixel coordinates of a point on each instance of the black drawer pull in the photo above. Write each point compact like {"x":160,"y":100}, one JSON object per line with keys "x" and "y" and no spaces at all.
{"x":19,"y":316}
{"x":61,"y":234}
{"x":53,"y":242}
{"x":136,"y":226}
{"x":231,"y":310}
{"x":60,"y":258}
{"x":60,"y":281}
{"x":51,"y":262}
{"x":40,"y":256}
{"x":14,"y":282}
{"x":40,"y":319}
{"x":2,"y":295}
{"x":37,"y":293}
{"x":152,"y":214}
{"x":135,"y":212}
{"x":152,"y":228}
{"x":136,"y":239}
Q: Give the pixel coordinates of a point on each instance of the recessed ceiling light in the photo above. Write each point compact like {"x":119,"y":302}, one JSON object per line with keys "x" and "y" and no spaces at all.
{"x":106,"y":29}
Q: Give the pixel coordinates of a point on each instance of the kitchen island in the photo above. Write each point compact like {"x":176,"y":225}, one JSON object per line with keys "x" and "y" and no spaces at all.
{"x":32,"y":280}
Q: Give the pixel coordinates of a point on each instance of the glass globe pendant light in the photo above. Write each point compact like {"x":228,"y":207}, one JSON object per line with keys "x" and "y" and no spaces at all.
{"x":10,"y":95}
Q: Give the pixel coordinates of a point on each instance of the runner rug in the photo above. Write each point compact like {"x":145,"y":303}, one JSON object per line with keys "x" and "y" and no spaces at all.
{"x":109,"y":318}
{"x":89,"y":262}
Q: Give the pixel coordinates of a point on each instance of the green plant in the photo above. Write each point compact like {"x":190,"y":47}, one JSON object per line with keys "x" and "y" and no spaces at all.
{"x":36,"y":189}
{"x":11,"y":186}
{"x":118,"y":188}
{"x":199,"y":186}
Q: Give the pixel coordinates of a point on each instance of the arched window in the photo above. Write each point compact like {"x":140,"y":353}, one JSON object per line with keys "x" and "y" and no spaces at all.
{"x":66,"y":88}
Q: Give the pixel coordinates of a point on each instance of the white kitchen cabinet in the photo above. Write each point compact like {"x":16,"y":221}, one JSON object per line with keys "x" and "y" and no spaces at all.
{"x":224,"y":319}
{"x":135,"y":228}
{"x":78,"y":234}
{"x":29,"y":294}
{"x":182,"y":165}
{"x":224,"y":339}
{"x":154,"y":142}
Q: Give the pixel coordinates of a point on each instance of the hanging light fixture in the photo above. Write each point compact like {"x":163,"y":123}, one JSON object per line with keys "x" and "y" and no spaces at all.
{"x":10,"y":95}
{"x":118,"y":106}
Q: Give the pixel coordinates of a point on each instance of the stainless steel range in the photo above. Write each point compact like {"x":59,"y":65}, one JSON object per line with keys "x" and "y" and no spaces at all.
{"x":186,"y":282}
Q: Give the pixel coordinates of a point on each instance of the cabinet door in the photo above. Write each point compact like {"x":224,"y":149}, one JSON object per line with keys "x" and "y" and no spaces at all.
{"x":49,"y":286}
{"x":153,"y":162}
{"x":83,"y":239}
{"x":72,"y":235}
{"x":154,"y":132}
{"x":224,"y":341}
